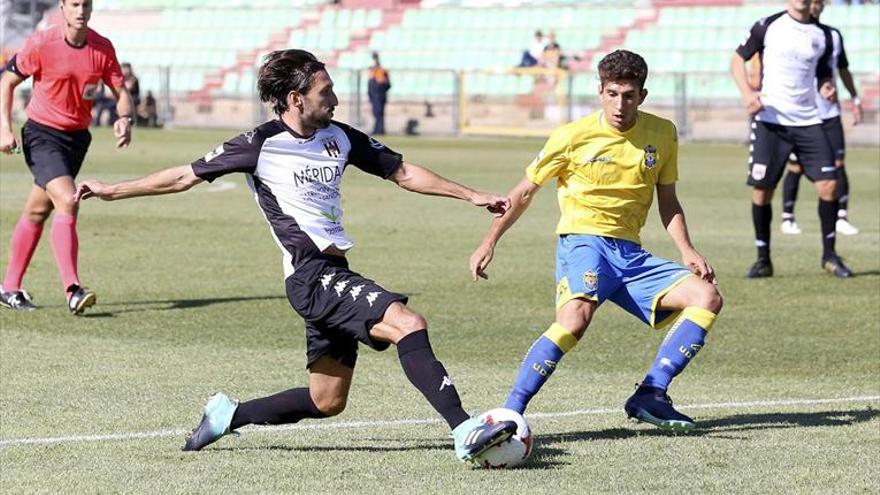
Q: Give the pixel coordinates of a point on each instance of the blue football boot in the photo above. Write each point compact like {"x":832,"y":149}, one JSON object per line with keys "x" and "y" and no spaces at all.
{"x":652,"y":405}
{"x":473,"y":437}
{"x":214,"y":424}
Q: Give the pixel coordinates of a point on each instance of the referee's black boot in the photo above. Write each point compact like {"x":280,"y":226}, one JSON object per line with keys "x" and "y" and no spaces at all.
{"x":79,"y":299}
{"x":834,"y":265}
{"x":762,"y":268}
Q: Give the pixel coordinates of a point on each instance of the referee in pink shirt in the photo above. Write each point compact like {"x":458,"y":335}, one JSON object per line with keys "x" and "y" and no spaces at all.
{"x":68,"y":63}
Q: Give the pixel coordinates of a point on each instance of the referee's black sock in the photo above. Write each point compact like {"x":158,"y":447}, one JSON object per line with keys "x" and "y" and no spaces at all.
{"x":761,"y":218}
{"x":285,"y":407}
{"x":789,"y":193}
{"x":430,"y":377}
{"x":827,"y":220}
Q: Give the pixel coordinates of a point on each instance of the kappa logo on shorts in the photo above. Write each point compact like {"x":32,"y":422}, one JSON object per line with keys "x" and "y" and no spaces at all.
{"x":371,"y":297}
{"x":376,"y":144}
{"x":326,"y":279}
{"x":759,"y":171}
{"x":591,"y":280}
{"x":356,"y":291}
{"x":340,"y":286}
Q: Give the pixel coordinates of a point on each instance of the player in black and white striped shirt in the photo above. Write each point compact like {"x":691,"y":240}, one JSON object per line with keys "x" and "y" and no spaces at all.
{"x":794,"y":50}
{"x":294,"y":166}
{"x":829,"y":111}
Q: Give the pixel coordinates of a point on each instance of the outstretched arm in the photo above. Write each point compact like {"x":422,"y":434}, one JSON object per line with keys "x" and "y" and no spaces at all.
{"x":520,"y":197}
{"x":421,"y":180}
{"x":169,"y":180}
{"x":672,"y":216}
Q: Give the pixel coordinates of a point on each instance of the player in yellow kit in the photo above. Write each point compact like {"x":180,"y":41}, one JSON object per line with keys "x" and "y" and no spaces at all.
{"x":607,"y":166}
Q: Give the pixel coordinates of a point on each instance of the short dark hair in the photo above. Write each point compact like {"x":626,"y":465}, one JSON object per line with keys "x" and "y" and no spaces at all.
{"x":284,"y":71}
{"x":623,"y":65}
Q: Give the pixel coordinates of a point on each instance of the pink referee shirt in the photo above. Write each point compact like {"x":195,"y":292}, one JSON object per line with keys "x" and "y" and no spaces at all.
{"x":65,"y":77}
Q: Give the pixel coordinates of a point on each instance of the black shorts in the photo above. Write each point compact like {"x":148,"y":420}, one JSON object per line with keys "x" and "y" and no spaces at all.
{"x":834,"y":131}
{"x":771,"y":145}
{"x":340,"y":307}
{"x":52,"y":153}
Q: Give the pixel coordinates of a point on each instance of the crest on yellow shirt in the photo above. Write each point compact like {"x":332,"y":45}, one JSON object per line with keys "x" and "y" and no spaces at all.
{"x":591,"y":280}
{"x":650,"y":156}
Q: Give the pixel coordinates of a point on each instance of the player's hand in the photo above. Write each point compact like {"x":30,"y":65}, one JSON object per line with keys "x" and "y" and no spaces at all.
{"x":8,"y":143}
{"x":857,"y":112}
{"x":753,"y":103}
{"x":480,"y":261}
{"x":828,"y":91}
{"x":497,"y":205}
{"x":699,"y":266}
{"x":122,"y":131}
{"x":92,"y":188}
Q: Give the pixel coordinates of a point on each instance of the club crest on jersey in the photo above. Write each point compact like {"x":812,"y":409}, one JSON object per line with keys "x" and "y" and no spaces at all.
{"x":376,"y":144}
{"x":249,"y":136}
{"x":331,"y":147}
{"x":650,"y":156}
{"x":591,"y":280}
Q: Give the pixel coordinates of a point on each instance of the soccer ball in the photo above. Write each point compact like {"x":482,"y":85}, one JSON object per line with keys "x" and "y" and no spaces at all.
{"x":511,"y":452}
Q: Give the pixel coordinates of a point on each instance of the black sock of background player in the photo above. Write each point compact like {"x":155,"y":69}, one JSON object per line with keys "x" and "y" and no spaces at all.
{"x":827,"y":220}
{"x":842,"y":190}
{"x":430,"y":377}
{"x":789,"y":193}
{"x":761,"y":217}
{"x":285,"y":407}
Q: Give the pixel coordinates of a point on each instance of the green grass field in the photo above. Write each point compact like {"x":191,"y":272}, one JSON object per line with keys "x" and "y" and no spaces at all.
{"x":191,"y":301}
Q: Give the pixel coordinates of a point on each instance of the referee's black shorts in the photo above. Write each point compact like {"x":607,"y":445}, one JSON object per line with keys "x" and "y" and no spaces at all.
{"x":51,"y":153}
{"x":339,"y":306}
{"x":771,"y":145}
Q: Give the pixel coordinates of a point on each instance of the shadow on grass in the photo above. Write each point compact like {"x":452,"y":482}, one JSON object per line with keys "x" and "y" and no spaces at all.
{"x":171,"y":304}
{"x":717,"y":428}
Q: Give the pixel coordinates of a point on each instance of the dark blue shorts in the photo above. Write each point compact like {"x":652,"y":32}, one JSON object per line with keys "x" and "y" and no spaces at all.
{"x":51,"y":153}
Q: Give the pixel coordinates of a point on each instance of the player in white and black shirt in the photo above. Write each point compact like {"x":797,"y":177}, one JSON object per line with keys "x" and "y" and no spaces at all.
{"x":829,"y":112}
{"x":794,"y":50}
{"x":294,"y":166}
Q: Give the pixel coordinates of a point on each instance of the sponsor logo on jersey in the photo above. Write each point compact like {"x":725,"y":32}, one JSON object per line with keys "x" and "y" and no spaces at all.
{"x":591,"y":280}
{"x":597,"y":159}
{"x":214,"y":154}
{"x":650,"y":156}
{"x":331,"y":147}
{"x":331,"y":215}
{"x":759,"y":170}
{"x":311,"y":175}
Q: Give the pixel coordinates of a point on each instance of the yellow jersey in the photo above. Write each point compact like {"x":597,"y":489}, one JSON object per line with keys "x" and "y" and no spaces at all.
{"x":606,"y":178}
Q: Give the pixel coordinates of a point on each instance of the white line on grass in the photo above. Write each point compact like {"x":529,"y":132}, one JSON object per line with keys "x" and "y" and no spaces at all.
{"x":13,"y":442}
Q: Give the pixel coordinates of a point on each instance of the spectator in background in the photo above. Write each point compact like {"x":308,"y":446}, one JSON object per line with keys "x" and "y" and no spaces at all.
{"x":535,"y":53}
{"x":552,"y":57}
{"x":132,"y":84}
{"x":377,"y":90}
{"x":148,"y":113}
{"x":103,"y":104}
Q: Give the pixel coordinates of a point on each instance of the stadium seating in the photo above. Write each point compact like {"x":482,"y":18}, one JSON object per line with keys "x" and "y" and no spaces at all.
{"x":214,"y":49}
